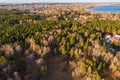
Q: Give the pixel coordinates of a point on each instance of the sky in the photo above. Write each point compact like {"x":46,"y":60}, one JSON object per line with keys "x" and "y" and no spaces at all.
{"x":61,"y":1}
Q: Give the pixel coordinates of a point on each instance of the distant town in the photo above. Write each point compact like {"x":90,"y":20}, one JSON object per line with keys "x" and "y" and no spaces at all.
{"x":75,"y":11}
{"x":35,"y":7}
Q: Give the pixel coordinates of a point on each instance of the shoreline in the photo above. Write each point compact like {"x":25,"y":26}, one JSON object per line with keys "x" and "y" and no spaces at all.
{"x":100,"y":11}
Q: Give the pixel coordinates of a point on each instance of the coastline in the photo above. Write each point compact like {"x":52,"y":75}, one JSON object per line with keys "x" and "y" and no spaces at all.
{"x":92,"y":9}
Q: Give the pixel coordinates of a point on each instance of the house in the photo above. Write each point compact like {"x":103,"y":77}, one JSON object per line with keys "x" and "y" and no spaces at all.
{"x":107,"y":36}
{"x":117,"y":36}
{"x":109,"y":39}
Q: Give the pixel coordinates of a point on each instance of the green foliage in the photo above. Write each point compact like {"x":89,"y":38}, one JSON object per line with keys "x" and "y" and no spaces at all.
{"x":43,"y":70}
{"x":100,"y":66}
{"x":98,"y":77}
{"x":72,"y":39}
{"x":85,"y":46}
{"x":3,"y":59}
{"x":118,"y":69}
{"x":71,"y":52}
{"x":84,"y":68}
{"x":66,"y":36}
{"x":90,"y":62}
{"x":62,"y":50}
{"x":82,"y":44}
{"x":116,"y":45}
{"x":77,"y":57}
{"x":94,"y":59}
{"x":96,"y":64}
{"x":63,"y":42}
{"x":67,"y":46}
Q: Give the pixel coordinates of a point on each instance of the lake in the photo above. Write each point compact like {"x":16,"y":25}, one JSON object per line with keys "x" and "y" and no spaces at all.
{"x":112,"y":9}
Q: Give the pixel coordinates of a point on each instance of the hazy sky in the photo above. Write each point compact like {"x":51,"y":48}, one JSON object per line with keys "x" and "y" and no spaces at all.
{"x":35,"y":1}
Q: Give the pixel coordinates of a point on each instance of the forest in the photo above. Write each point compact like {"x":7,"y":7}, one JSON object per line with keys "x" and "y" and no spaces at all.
{"x":28,"y":41}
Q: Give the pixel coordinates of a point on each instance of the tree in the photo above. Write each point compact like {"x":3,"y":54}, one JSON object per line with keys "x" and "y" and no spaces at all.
{"x":71,"y":52}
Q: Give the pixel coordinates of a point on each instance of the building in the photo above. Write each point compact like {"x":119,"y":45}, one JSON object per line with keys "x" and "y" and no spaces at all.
{"x":109,"y":38}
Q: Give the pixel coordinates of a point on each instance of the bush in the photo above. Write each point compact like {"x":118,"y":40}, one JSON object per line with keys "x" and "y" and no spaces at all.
{"x":3,"y":59}
{"x":84,"y":68}
{"x":90,"y":62}
{"x":100,"y":66}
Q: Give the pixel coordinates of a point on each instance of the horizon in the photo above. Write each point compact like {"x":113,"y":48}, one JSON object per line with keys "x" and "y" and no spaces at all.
{"x":57,"y":1}
{"x":62,"y":3}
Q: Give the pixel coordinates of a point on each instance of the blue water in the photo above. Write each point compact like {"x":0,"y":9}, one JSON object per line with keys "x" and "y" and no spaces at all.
{"x":112,"y":9}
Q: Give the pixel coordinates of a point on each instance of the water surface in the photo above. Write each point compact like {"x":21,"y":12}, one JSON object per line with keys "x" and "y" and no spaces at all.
{"x":112,"y":9}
